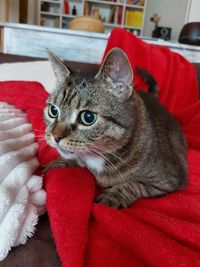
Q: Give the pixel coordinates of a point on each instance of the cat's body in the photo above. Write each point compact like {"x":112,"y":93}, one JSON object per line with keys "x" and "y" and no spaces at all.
{"x":131,"y":144}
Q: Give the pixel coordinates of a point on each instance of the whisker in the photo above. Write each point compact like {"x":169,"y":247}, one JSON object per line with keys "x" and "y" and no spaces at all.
{"x":111,"y":153}
{"x":90,"y":155}
{"x":110,"y":164}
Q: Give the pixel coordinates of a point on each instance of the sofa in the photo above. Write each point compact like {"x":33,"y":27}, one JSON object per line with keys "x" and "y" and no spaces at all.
{"x":40,"y":250}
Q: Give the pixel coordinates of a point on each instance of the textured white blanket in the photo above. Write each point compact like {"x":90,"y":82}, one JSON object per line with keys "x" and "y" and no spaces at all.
{"x":40,"y":71}
{"x":22,"y":198}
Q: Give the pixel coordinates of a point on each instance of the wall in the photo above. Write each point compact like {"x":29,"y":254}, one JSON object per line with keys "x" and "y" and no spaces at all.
{"x":173,"y":14}
{"x":194,"y":13}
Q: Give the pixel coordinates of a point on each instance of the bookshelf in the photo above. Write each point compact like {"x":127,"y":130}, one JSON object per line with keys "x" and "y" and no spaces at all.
{"x":127,"y":14}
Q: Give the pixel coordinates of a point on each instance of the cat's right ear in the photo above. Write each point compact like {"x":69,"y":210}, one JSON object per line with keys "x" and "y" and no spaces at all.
{"x":60,"y":70}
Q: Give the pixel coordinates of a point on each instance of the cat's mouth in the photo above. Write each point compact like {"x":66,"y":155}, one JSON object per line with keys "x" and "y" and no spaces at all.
{"x":65,"y":150}
{"x":67,"y":154}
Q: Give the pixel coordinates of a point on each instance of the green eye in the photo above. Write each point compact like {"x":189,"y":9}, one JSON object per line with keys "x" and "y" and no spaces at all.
{"x":87,"y":117}
{"x":53,"y":111}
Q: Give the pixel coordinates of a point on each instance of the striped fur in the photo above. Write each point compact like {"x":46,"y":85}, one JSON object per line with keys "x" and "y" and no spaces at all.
{"x":135,"y":148}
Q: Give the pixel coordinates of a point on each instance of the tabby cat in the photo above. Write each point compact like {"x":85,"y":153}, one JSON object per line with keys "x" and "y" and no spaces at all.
{"x":130,"y":143}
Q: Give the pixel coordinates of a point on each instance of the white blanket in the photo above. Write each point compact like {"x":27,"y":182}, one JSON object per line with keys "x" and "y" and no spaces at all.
{"x":40,"y":71}
{"x":22,"y":198}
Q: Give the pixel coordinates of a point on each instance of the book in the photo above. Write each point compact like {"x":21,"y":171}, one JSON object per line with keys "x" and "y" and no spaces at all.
{"x":66,"y":7}
{"x":136,"y":2}
{"x":134,"y":18}
{"x":119,"y":17}
{"x":112,"y":14}
{"x":96,"y":12}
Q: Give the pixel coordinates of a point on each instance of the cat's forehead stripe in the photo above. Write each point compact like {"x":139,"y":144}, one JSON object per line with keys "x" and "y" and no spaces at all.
{"x":69,"y":94}
{"x":56,"y":98}
{"x":78,"y":104}
{"x":71,"y":97}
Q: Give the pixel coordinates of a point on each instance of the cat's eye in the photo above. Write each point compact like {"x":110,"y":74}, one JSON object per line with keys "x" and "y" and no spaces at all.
{"x":53,"y":111}
{"x":87,"y":117}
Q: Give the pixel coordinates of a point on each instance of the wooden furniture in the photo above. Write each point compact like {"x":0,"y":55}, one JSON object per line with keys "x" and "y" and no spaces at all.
{"x":72,"y":45}
{"x":128,"y":14}
{"x":23,"y":11}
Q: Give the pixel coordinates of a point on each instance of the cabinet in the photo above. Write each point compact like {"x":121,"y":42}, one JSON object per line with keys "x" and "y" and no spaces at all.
{"x":128,"y":14}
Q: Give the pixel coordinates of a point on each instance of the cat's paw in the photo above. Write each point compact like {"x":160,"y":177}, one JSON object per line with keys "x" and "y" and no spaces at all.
{"x":59,"y":163}
{"x":110,"y":200}
{"x":47,"y":167}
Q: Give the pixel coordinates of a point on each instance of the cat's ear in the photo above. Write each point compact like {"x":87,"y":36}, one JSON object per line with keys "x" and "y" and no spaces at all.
{"x":60,"y":70}
{"x":117,"y":69}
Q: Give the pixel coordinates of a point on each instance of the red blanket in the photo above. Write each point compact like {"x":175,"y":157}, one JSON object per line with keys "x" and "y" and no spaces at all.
{"x":152,"y":232}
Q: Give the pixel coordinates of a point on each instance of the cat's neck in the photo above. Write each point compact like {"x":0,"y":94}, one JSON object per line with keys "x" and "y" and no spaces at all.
{"x":95,"y":164}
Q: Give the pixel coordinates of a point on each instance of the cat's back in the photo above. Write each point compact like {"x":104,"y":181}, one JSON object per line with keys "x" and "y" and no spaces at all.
{"x":159,"y":115}
{"x":168,"y":142}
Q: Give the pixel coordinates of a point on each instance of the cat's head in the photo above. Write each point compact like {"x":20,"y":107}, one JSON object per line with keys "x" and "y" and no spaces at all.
{"x":92,"y":115}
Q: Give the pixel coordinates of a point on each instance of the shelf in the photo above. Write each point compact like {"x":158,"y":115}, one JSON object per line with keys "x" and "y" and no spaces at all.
{"x":118,"y":12}
{"x":50,"y":14}
{"x":68,"y":16}
{"x":52,"y":2}
{"x":131,"y":27}
{"x":104,"y":2}
{"x":112,"y":24}
{"x":134,"y":6}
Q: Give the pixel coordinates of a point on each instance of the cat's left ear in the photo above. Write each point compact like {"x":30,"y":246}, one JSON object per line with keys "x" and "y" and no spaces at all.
{"x":60,"y":70}
{"x":117,"y":69}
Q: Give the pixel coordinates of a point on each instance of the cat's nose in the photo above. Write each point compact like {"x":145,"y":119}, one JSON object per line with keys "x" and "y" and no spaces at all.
{"x":58,"y":138}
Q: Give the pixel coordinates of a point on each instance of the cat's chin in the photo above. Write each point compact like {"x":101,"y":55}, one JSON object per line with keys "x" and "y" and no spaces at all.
{"x":66,"y":154}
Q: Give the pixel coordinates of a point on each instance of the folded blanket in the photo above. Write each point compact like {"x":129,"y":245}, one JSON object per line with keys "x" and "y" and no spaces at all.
{"x":22,"y":198}
{"x":152,"y":232}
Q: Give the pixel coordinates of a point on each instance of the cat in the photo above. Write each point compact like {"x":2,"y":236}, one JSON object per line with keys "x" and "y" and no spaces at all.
{"x":130,"y":143}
